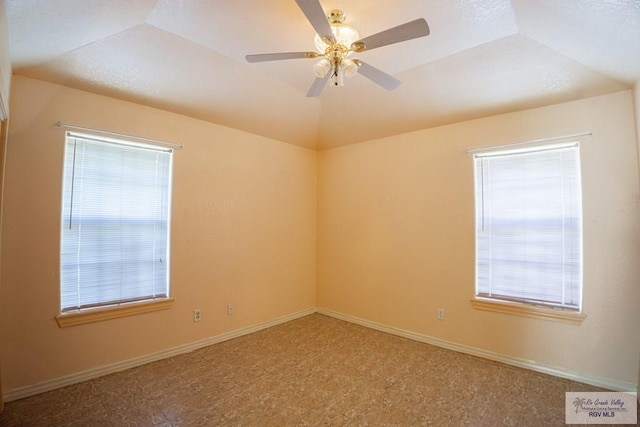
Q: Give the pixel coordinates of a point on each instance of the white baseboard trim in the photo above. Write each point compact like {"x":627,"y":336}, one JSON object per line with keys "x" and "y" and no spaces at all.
{"x":31,"y":390}
{"x":606,"y":383}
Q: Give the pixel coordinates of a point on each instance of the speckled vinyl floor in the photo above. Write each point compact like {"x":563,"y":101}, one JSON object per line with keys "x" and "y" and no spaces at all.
{"x":314,"y":371}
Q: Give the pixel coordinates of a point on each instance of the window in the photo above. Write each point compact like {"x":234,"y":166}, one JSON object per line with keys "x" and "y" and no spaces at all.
{"x":529,"y":226}
{"x":115,"y":222}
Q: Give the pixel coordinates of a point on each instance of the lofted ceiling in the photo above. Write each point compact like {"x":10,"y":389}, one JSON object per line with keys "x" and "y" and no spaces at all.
{"x":482,"y":57}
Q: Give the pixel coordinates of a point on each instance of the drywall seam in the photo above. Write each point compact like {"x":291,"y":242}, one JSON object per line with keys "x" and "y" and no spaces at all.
{"x":606,"y":383}
{"x":31,"y":390}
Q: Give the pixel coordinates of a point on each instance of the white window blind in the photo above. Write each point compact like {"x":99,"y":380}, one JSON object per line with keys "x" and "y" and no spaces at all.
{"x":529,"y":226}
{"x":115,"y":222}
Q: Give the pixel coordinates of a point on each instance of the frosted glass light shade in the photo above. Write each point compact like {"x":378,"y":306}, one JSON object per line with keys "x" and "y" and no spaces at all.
{"x":321,"y":68}
{"x":344,"y":35}
{"x":349,"y":68}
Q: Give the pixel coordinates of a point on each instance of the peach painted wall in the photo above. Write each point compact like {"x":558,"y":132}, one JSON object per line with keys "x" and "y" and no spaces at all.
{"x":244,"y":232}
{"x":396,"y":240}
{"x":636,"y":103}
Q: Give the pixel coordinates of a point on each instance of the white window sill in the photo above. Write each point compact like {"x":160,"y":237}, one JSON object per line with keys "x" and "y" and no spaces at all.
{"x":526,"y":310}
{"x":81,"y":317}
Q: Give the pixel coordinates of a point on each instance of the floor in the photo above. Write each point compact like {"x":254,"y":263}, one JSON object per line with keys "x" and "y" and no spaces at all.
{"x":313,"y":371}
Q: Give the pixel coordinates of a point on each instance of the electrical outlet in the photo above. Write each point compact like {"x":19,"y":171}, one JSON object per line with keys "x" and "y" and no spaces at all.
{"x":230,"y":309}
{"x":197,"y":315}
{"x":441,"y":314}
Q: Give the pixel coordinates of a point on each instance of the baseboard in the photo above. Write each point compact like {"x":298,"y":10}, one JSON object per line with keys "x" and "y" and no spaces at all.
{"x":31,"y":390}
{"x":22,"y":392}
{"x":606,"y":383}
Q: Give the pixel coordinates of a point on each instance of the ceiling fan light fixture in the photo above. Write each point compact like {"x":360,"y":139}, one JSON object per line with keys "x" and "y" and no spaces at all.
{"x":345,"y":68}
{"x":349,"y":68}
{"x":337,"y":77}
{"x":321,"y":68}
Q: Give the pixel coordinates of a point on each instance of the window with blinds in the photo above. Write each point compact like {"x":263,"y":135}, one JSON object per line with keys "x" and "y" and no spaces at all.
{"x":529,"y":226}
{"x":115,"y":222}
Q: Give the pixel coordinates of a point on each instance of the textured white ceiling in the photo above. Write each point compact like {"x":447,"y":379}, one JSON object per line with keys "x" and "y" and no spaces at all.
{"x":482,"y":57}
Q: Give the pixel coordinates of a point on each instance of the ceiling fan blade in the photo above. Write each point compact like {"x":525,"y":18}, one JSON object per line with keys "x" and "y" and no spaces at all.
{"x":262,"y":57}
{"x":408,"y":31}
{"x":317,"y":86}
{"x":377,"y":76}
{"x":312,"y":9}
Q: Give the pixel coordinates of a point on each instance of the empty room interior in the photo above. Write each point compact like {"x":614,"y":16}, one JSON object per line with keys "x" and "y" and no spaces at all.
{"x":449,"y":206}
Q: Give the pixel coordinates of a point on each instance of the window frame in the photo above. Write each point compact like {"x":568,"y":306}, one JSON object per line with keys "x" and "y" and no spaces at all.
{"x":524,"y":307}
{"x":107,"y":308}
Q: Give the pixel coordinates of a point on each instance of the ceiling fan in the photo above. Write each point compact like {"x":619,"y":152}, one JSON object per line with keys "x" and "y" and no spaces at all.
{"x":335,"y":42}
